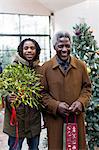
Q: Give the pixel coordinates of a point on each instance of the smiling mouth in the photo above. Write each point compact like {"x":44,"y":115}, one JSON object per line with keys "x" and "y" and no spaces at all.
{"x":64,"y":54}
{"x":29,"y":55}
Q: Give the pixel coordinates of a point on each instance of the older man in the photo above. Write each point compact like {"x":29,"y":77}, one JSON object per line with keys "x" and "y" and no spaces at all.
{"x":67,"y":91}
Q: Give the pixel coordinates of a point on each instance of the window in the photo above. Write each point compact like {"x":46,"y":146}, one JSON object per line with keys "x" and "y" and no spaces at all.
{"x":14,"y":28}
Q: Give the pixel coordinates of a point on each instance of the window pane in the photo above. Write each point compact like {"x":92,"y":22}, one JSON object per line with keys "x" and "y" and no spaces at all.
{"x":36,"y":27}
{"x":8,"y":47}
{"x":9,"y":24}
{"x":34,"y":24}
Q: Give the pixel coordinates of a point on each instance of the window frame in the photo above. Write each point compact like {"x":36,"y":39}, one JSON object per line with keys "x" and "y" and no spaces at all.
{"x":29,"y":35}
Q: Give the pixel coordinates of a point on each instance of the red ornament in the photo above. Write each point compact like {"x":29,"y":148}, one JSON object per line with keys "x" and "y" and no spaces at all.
{"x":78,"y":32}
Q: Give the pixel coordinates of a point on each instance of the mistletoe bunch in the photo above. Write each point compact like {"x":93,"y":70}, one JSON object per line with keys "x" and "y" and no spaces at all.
{"x":23,"y":82}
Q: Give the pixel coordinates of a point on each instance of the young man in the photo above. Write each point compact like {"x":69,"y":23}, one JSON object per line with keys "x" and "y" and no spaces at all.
{"x":29,"y":119}
{"x":67,"y":91}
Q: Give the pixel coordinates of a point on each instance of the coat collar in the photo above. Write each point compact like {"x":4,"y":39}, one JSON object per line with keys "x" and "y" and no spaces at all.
{"x":19,"y":59}
{"x":72,"y":62}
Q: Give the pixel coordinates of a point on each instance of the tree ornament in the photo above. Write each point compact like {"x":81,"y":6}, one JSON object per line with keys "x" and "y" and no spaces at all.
{"x":77,"y":32}
{"x":88,"y":70}
{"x":97,"y":52}
{"x":90,"y":30}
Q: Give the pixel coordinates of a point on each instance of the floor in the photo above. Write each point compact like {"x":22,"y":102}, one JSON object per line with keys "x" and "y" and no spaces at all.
{"x":4,"y":137}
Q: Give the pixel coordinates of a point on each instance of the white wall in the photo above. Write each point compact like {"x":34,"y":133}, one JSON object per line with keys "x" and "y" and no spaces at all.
{"x":67,"y":18}
{"x":23,"y":7}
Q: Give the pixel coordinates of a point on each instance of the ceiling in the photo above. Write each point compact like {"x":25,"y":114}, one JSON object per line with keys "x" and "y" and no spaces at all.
{"x":55,"y":5}
{"x":37,"y":7}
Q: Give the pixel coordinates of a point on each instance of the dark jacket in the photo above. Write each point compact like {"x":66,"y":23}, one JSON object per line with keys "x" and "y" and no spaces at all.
{"x":0,"y":69}
{"x":29,"y":119}
{"x":61,"y":86}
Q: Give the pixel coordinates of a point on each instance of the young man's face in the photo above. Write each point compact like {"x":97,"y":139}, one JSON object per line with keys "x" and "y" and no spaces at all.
{"x":29,"y":50}
{"x":63,"y":48}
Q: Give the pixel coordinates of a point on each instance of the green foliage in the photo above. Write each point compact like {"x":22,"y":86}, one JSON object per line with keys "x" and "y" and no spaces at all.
{"x":22,"y":81}
{"x":84,"y":44}
{"x":85,"y":48}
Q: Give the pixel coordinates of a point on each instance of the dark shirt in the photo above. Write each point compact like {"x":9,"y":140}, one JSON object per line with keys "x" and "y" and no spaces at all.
{"x":63,"y":64}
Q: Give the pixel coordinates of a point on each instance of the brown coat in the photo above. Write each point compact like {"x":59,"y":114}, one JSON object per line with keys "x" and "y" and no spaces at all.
{"x":66,"y":87}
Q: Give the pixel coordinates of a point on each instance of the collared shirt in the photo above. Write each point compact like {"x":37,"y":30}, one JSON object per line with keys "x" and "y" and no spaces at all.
{"x":63,"y":64}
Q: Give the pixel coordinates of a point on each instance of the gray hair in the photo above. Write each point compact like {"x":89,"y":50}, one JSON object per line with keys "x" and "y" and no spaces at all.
{"x":59,"y":35}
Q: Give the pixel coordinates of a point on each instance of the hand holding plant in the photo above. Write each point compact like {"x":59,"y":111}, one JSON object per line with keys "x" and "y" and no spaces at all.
{"x":23,"y":84}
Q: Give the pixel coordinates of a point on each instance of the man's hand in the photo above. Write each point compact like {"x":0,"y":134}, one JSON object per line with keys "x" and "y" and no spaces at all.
{"x":63,"y":108}
{"x":76,"y":107}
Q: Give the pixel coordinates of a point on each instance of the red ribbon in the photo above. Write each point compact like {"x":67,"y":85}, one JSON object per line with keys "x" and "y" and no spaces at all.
{"x":14,"y":122}
{"x":2,"y":101}
{"x":13,"y":117}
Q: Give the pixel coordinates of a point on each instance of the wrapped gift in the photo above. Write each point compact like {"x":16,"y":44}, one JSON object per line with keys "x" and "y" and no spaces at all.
{"x":71,"y":135}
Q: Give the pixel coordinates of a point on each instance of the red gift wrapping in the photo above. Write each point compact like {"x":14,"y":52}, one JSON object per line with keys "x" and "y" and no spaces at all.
{"x":71,"y":135}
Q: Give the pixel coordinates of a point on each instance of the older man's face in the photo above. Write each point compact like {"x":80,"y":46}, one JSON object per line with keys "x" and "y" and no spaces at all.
{"x":63,"y":48}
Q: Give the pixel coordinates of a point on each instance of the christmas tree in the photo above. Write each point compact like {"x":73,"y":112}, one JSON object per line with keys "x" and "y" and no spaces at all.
{"x":85,"y":47}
